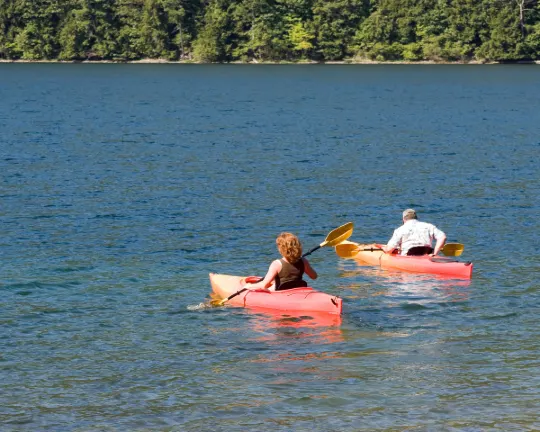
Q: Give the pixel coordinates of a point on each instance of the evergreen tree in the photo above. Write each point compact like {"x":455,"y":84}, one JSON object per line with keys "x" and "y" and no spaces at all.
{"x":89,"y":30}
{"x":336,"y":23}
{"x":211,"y":43}
{"x":32,"y":30}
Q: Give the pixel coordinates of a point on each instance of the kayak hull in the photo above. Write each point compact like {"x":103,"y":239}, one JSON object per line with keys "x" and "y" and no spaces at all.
{"x":296,"y":299}
{"x":417,"y":264}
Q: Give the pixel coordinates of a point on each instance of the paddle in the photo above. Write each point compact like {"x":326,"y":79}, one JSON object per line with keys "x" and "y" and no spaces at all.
{"x":351,"y":249}
{"x":332,"y":239}
{"x":452,"y":249}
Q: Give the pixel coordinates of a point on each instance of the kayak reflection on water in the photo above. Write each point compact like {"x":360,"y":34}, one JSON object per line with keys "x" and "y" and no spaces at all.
{"x":320,"y":328}
{"x":419,"y":287}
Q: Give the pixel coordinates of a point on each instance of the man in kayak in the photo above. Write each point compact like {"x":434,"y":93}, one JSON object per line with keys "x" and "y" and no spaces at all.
{"x":415,"y":237}
{"x":286,"y":272}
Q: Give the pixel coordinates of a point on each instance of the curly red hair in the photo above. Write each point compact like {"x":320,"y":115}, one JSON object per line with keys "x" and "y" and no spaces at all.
{"x":289,"y":247}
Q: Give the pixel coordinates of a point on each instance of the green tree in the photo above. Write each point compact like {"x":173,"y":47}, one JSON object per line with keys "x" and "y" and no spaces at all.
{"x":391,"y":25}
{"x":8,"y":28}
{"x":261,"y":29}
{"x":299,"y":38}
{"x":336,"y":23}
{"x":505,"y":40}
{"x":532,"y":38}
{"x":34,"y":33}
{"x":211,"y":42}
{"x":181,"y":22}
{"x":89,"y":30}
{"x":152,"y":37}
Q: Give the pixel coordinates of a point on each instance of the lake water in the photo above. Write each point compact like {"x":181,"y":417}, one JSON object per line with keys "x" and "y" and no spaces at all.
{"x":123,"y":186}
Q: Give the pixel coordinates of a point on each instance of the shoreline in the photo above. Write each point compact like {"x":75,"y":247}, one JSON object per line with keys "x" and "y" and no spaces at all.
{"x":340,"y":62}
{"x":306,"y":62}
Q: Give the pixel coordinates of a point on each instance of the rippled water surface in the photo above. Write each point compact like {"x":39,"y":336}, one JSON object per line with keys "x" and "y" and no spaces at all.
{"x":123,"y":186}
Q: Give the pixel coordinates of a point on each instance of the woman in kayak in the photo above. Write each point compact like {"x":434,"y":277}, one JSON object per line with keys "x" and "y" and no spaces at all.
{"x":286,"y":272}
{"x":415,"y":237}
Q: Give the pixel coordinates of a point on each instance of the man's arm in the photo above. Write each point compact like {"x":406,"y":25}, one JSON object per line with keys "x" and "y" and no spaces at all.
{"x":441,"y":240}
{"x":394,"y":242}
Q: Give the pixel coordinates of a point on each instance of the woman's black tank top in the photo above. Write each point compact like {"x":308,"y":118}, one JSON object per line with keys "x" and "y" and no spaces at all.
{"x":290,"y":275}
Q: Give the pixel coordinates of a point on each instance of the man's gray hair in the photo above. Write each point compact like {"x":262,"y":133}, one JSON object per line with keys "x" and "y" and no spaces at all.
{"x":409,"y":214}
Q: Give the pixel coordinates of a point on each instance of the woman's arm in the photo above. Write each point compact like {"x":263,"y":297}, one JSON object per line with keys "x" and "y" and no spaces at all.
{"x":271,"y":274}
{"x":309,"y":270}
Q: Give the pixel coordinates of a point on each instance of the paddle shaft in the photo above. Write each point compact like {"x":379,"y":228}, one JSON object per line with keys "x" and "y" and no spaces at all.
{"x":379,"y":249}
{"x":232,"y":296}
{"x":311,"y":251}
{"x":236,"y":293}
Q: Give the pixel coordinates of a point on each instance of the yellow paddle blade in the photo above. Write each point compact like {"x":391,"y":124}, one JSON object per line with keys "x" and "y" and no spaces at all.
{"x":338,"y":235}
{"x":452,"y":249}
{"x":216,"y":300}
{"x":347,"y":249}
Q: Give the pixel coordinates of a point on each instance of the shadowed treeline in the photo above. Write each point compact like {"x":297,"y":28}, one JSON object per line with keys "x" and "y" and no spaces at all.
{"x":270,"y":30}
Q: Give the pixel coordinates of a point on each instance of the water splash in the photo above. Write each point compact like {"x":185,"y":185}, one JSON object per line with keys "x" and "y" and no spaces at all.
{"x":201,"y":306}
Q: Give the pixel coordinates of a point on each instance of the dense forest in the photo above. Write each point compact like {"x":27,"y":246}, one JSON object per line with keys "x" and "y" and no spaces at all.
{"x":270,"y":30}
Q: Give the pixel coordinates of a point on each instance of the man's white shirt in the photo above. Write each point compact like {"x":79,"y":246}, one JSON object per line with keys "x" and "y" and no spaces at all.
{"x":414,"y":233}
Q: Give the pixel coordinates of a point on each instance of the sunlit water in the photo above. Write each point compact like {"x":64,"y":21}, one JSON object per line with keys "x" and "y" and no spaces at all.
{"x":123,"y":186}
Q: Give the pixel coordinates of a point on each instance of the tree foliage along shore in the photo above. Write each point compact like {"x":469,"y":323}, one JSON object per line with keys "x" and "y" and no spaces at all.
{"x":270,"y":30}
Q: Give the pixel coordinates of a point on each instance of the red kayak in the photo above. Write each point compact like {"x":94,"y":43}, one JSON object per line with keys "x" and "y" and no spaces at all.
{"x":418,"y":264}
{"x":296,"y":299}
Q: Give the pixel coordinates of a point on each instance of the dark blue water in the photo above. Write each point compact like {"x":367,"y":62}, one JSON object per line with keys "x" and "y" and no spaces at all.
{"x":123,"y":186}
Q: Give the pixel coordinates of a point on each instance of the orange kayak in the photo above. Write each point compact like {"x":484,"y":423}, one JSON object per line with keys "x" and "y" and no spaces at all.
{"x":296,"y":299}
{"x":418,"y":264}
